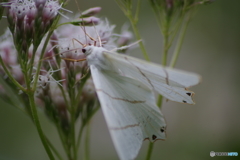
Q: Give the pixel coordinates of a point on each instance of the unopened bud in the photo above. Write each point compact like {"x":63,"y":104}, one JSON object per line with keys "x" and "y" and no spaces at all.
{"x":169,"y":3}
{"x":40,"y":4}
{"x":90,"y":21}
{"x":50,"y":10}
{"x":90,"y":12}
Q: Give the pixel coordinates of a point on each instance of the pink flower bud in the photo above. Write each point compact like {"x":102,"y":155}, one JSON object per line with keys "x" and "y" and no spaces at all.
{"x":90,"y":21}
{"x":40,"y":4}
{"x":50,"y":10}
{"x":169,"y":3}
{"x":90,"y":12}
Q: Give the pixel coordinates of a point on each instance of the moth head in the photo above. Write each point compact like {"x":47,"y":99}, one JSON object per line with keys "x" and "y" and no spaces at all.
{"x":87,"y":50}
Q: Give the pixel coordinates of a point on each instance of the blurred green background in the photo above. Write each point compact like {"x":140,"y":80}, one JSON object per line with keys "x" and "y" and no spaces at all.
{"x":211,"y":48}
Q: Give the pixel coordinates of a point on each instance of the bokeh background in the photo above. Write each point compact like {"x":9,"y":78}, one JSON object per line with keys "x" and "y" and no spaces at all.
{"x":211,"y":48}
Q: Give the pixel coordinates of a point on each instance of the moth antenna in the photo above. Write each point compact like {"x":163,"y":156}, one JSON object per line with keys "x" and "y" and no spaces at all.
{"x":83,"y":28}
{"x":125,"y":47}
{"x":77,"y":6}
{"x":91,"y":38}
{"x":85,"y":33}
{"x":99,"y":39}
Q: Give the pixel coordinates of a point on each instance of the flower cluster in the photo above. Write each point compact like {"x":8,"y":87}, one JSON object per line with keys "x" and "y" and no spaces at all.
{"x":29,"y":20}
{"x":47,"y":67}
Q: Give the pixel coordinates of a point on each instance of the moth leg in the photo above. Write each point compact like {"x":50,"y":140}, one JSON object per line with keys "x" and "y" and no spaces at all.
{"x":75,"y":60}
{"x":74,"y":39}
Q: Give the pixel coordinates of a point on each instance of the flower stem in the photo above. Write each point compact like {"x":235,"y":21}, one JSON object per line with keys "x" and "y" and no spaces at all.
{"x":166,"y":44}
{"x":150,"y":149}
{"x":179,"y":44}
{"x":32,"y":61}
{"x":126,"y":7}
{"x":84,"y":123}
{"x":73,"y":133}
{"x":54,"y":149}
{"x":164,"y":63}
{"x":87,"y":145}
{"x":136,"y":32}
{"x":41,"y":57}
{"x":150,"y":146}
{"x":63,"y":141}
{"x":10,"y":76}
{"x":38,"y":125}
{"x":80,"y":135}
{"x":51,"y":30}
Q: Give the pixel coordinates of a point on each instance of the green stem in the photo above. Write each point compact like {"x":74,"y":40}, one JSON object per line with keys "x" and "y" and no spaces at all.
{"x":65,"y":98}
{"x":80,"y":136}
{"x":126,"y":7}
{"x":159,"y":102}
{"x":54,"y":149}
{"x":87,"y":145}
{"x":51,"y":30}
{"x":137,"y":10}
{"x":179,"y":44}
{"x":38,"y":125}
{"x":10,"y":76}
{"x":32,"y":61}
{"x":64,"y":142}
{"x":83,"y":81}
{"x":83,"y":125}
{"x":166,"y":41}
{"x":164,"y":63}
{"x":73,"y":135}
{"x":150,"y":149}
{"x":136,"y":32}
{"x":150,"y":146}
{"x":41,"y":57}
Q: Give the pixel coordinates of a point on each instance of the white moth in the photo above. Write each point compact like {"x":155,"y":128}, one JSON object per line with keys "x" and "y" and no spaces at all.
{"x":124,"y":86}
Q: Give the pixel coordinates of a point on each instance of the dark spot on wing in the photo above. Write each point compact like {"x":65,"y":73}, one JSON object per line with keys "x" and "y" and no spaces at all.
{"x":189,"y":94}
{"x":162,"y":129}
{"x":154,"y":137}
{"x":184,"y":101}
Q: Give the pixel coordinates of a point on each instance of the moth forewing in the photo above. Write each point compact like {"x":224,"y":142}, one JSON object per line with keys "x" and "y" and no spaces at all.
{"x":168,"y":82}
{"x":130,"y":111}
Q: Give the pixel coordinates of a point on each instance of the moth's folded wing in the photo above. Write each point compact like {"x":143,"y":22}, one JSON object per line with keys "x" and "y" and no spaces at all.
{"x":130,"y":112}
{"x":171,"y":83}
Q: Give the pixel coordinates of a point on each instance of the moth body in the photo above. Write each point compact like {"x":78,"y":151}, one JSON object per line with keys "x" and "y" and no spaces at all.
{"x":124,"y":86}
{"x":96,"y":58}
